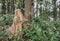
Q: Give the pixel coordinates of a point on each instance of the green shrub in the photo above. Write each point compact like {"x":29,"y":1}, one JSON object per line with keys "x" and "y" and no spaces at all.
{"x":6,"y":19}
{"x":37,"y":30}
{"x":40,"y":30}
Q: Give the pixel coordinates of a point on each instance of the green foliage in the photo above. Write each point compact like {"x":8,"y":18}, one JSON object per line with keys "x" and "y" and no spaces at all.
{"x":20,"y":4}
{"x":38,"y":30}
{"x":6,"y":19}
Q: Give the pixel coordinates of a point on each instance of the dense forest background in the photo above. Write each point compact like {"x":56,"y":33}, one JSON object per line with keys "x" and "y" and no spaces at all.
{"x":44,"y":16}
{"x":52,"y":7}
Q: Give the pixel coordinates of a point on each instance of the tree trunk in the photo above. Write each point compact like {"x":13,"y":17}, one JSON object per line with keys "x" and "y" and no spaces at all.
{"x":54,"y":10}
{"x":59,"y":13}
{"x":3,"y":7}
{"x":10,"y":6}
{"x":27,"y":7}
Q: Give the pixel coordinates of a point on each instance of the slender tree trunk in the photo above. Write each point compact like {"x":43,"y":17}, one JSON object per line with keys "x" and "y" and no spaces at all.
{"x":10,"y":6}
{"x":6,"y":6}
{"x":59,"y":13}
{"x":3,"y":7}
{"x":54,"y":10}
